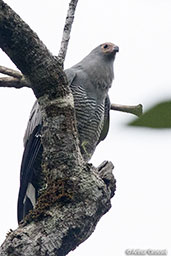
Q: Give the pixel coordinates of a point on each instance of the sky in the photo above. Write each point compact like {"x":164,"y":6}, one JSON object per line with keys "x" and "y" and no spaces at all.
{"x":141,"y":209}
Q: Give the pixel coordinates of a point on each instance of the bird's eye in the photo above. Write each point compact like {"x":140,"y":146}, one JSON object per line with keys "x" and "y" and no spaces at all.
{"x":105,"y":46}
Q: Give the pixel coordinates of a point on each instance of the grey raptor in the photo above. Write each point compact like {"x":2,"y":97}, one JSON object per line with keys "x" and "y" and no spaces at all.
{"x":89,"y":81}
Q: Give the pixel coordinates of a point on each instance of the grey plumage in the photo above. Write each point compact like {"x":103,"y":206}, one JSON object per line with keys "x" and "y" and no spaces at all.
{"x":89,"y":81}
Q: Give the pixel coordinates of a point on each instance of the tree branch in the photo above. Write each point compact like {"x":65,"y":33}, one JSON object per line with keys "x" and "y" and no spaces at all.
{"x":74,"y":191}
{"x":10,"y":72}
{"x":13,"y":82}
{"x":67,"y":30}
{"x":135,"y":110}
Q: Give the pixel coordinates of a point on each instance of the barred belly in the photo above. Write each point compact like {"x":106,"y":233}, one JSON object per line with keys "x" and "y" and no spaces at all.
{"x":90,"y":117}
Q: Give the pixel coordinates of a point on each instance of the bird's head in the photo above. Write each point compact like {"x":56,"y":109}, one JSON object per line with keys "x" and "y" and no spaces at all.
{"x":109,"y":49}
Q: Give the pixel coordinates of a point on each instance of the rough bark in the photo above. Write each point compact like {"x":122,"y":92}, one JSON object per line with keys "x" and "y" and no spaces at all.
{"x":74,"y":194}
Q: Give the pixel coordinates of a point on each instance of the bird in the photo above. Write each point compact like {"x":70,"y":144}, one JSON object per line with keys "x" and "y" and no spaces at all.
{"x":90,"y":81}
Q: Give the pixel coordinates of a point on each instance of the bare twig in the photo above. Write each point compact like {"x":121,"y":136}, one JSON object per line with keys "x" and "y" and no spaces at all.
{"x":67,"y":30}
{"x":135,"y":110}
{"x":13,"y":82}
{"x":10,"y":72}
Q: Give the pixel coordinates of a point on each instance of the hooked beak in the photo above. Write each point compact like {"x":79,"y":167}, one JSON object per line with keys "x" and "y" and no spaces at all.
{"x":116,"y":48}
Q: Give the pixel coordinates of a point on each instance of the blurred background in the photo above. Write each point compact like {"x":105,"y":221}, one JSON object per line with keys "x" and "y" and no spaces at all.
{"x":141,"y":208}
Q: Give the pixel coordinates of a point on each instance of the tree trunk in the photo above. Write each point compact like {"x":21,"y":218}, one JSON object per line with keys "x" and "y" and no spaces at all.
{"x":74,"y":195}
